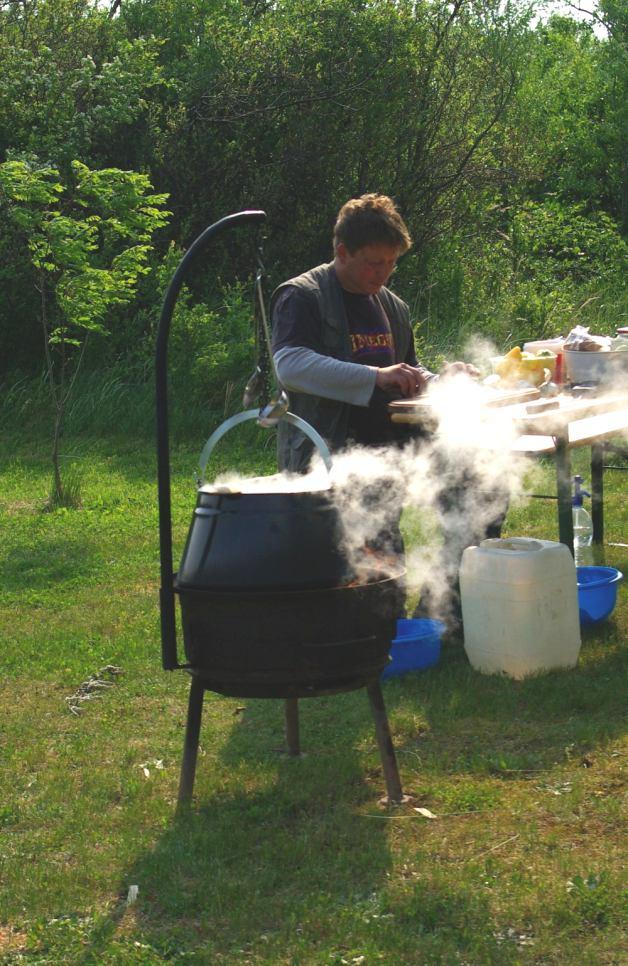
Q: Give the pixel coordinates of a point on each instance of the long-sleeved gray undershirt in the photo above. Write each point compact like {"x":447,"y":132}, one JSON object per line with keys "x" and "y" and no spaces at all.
{"x":304,"y":370}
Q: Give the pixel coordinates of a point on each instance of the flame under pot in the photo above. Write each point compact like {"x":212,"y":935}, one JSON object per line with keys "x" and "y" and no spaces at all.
{"x":294,"y":643}
{"x":264,"y":541}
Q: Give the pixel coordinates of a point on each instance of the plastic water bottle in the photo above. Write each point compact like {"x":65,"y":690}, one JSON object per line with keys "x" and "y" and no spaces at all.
{"x":582,"y":526}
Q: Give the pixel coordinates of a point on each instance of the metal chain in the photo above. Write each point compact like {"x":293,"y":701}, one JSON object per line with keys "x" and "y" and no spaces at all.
{"x":272,"y":405}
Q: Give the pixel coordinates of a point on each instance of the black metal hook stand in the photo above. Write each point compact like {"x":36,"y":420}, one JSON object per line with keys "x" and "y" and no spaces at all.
{"x":167,"y":589}
{"x":166,"y":593}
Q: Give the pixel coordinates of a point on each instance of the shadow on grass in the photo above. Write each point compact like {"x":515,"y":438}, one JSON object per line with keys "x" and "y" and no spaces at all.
{"x":273,"y":845}
{"x":289,"y":859}
{"x":490,"y":724}
{"x":282,"y":850}
{"x":48,"y":562}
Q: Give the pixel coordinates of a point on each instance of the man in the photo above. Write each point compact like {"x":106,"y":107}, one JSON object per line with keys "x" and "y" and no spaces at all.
{"x":342,"y":342}
{"x":343,"y":346}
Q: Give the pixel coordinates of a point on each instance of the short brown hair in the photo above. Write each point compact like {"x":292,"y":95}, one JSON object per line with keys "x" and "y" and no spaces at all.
{"x":371,"y":220}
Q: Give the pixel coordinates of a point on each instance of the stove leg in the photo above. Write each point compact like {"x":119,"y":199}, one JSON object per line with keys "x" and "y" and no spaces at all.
{"x":386,"y":750}
{"x":190,"y":746}
{"x":292,"y":726}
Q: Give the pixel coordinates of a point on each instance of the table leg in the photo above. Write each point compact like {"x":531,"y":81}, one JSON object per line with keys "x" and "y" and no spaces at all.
{"x":597,"y":492}
{"x":563,"y":489}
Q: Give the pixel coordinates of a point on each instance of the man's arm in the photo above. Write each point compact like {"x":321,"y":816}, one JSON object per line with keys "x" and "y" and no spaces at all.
{"x":301,"y":365}
{"x":304,"y":370}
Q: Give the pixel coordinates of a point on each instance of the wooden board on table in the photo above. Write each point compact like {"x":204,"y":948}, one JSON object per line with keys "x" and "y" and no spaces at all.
{"x":570,"y":410}
{"x":581,"y":432}
{"x":421,"y":409}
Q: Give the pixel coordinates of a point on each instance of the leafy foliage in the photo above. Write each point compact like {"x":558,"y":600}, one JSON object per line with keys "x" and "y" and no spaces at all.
{"x":88,"y":243}
{"x":502,"y":139}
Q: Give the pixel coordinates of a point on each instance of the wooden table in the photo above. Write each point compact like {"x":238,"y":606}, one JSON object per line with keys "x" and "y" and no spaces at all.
{"x":555,"y":432}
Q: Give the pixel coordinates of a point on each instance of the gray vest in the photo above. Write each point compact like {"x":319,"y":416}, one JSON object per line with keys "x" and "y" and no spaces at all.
{"x":328,"y":416}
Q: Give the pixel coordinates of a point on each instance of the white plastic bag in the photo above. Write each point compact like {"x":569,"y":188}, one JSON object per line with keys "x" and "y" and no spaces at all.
{"x":580,"y":340}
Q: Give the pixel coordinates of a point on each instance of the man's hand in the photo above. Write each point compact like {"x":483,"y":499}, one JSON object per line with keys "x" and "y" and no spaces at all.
{"x":403,"y":378}
{"x":455,"y":368}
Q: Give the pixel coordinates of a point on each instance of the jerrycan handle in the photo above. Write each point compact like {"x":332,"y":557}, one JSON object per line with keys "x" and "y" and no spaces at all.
{"x":249,"y":414}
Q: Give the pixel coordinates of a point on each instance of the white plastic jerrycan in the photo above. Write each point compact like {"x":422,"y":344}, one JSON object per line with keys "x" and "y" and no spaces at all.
{"x":519,"y":606}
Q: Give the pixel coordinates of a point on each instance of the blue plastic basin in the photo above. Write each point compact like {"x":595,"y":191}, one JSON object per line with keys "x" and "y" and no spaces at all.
{"x":416,"y":646}
{"x":597,"y":592}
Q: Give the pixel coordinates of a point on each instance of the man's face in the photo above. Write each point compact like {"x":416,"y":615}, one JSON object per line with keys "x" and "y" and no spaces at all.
{"x":367,"y":269}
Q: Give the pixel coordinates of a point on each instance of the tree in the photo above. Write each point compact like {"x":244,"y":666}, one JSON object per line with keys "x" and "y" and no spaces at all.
{"x":72,"y":85}
{"x":87,"y":242}
{"x":296,"y":106}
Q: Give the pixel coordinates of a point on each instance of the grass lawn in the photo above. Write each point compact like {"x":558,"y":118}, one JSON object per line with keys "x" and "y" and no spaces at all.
{"x":280,"y":860}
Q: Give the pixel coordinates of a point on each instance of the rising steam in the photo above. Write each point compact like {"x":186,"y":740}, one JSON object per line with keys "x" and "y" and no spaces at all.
{"x":461,"y":477}
{"x":458,"y":480}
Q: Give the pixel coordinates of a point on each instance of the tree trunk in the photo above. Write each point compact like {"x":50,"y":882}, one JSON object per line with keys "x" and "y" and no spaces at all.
{"x":57,"y":495}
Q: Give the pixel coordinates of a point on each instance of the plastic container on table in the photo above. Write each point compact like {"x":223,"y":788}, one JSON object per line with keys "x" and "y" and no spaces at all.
{"x":519,"y":606}
{"x":555,"y":346}
{"x":603,"y":368}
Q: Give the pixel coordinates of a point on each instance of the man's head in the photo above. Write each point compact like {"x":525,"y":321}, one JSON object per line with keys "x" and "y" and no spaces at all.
{"x":371,"y":220}
{"x":369,"y":237}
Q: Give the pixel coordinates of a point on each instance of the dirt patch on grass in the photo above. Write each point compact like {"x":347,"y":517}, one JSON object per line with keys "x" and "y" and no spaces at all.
{"x":22,"y":506}
{"x":12,"y":940}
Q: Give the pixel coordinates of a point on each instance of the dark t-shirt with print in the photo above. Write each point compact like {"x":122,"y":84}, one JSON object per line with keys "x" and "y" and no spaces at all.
{"x":296,"y":323}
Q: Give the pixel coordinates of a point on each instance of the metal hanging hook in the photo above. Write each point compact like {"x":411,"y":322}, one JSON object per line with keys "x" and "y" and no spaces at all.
{"x":273,"y":406}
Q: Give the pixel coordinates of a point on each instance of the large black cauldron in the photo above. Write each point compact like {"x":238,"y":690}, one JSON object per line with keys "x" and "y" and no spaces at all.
{"x":264,"y":541}
{"x":293,"y":643}
{"x":270,"y":605}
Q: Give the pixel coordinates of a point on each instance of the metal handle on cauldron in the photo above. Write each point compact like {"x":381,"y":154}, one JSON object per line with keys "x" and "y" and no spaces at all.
{"x":248,"y":414}
{"x":166,"y":593}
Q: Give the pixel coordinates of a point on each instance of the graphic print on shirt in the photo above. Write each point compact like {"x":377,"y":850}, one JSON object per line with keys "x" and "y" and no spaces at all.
{"x":363,"y":343}
{"x":369,"y":331}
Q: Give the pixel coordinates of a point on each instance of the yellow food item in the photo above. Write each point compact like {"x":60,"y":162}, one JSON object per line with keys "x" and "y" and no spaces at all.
{"x":535,"y":376}
{"x":505,"y":367}
{"x":533,"y":363}
{"x":517,"y":366}
{"x":514,"y":353}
